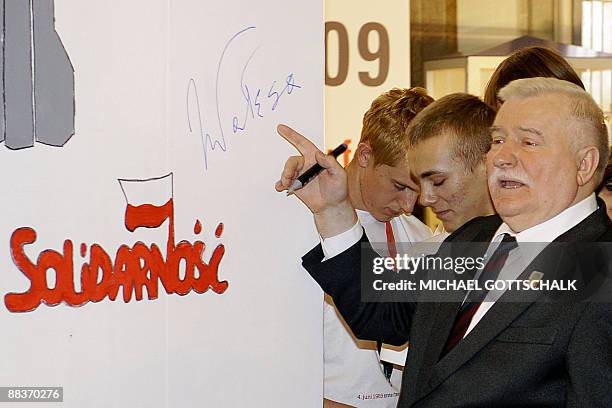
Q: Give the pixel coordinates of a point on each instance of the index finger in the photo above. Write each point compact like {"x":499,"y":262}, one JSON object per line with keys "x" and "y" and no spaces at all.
{"x":302,"y":144}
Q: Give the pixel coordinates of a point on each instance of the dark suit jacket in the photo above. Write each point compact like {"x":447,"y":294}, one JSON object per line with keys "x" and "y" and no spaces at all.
{"x":527,"y":354}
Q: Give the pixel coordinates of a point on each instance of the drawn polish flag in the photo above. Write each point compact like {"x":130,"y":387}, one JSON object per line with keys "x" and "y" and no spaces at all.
{"x":149,"y":201}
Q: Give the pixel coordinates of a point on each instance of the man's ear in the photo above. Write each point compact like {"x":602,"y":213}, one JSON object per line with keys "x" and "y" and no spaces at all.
{"x":364,"y":154}
{"x":589,"y":159}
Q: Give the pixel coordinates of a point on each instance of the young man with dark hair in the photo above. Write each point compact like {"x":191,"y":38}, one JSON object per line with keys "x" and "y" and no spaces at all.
{"x":448,"y":143}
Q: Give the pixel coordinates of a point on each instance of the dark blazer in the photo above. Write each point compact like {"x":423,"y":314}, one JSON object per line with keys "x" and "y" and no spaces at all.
{"x":527,"y":353}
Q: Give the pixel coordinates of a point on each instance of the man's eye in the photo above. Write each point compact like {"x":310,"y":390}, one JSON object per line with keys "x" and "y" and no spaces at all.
{"x":439,"y":183}
{"x":530,"y":143}
{"x":400,"y":187}
{"x":497,"y":140}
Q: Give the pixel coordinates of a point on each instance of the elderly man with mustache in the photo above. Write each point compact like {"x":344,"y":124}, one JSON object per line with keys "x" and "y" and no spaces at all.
{"x":549,"y":150}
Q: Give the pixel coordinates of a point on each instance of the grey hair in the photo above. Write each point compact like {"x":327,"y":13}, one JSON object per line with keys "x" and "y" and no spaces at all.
{"x":581,"y":106}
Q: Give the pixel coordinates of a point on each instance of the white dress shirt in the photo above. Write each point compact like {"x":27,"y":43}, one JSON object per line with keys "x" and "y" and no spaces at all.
{"x":353,"y":373}
{"x":397,"y":354}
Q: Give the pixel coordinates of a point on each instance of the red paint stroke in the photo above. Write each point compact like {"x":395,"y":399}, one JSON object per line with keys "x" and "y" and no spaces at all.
{"x":147,"y":215}
{"x":132,"y":269}
{"x":197,"y":228}
{"x":219,"y":230}
{"x":83,"y":250}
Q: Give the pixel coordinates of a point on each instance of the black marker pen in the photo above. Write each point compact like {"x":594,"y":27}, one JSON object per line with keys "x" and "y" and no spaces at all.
{"x":313,"y":171}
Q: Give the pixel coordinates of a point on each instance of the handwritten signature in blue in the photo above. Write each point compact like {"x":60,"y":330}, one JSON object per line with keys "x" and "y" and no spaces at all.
{"x":252,"y":100}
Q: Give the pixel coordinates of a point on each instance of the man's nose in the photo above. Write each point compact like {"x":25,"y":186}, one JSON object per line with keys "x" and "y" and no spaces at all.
{"x":427,"y":198}
{"x":504,"y":155}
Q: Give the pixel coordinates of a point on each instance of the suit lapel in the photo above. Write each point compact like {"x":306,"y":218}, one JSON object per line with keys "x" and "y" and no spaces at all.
{"x":511,"y":305}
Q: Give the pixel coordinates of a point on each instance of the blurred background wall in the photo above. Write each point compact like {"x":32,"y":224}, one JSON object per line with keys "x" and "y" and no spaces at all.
{"x":450,"y":46}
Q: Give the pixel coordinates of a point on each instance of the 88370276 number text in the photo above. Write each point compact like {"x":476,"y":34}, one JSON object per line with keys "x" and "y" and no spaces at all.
{"x":31,"y":394}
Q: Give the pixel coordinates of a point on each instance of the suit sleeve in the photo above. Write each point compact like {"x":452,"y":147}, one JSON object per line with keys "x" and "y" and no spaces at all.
{"x":340,"y":278}
{"x":590,"y":358}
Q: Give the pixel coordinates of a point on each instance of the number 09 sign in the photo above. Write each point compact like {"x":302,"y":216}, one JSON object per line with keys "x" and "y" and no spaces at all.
{"x":367,"y":53}
{"x":380,"y":54}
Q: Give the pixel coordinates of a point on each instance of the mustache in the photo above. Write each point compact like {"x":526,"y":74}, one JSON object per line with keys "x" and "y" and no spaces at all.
{"x":501,"y":175}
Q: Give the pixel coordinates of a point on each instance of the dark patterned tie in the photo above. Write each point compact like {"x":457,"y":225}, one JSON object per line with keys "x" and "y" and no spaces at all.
{"x":474,"y":299}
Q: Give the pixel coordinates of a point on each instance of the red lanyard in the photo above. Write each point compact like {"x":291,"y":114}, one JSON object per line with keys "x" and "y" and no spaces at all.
{"x":390,"y":241}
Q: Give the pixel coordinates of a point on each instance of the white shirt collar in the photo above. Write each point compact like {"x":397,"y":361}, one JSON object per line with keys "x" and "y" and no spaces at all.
{"x":365,"y":217}
{"x":549,"y":230}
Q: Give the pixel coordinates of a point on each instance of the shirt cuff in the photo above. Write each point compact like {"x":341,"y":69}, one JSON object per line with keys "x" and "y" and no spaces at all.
{"x":337,"y":244}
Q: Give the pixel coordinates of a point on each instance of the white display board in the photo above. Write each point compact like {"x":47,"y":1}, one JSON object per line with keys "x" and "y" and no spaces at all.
{"x":159,"y":179}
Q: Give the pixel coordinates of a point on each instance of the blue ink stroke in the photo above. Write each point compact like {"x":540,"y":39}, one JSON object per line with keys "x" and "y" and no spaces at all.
{"x":253,"y":107}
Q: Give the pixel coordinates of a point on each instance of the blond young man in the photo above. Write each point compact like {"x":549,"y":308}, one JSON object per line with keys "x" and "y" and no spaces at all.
{"x":383,"y":193}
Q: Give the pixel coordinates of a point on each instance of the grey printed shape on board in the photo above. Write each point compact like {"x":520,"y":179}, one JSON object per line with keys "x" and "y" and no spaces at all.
{"x":53,"y":80}
{"x":18,"y":106}
{"x":38,"y":77}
